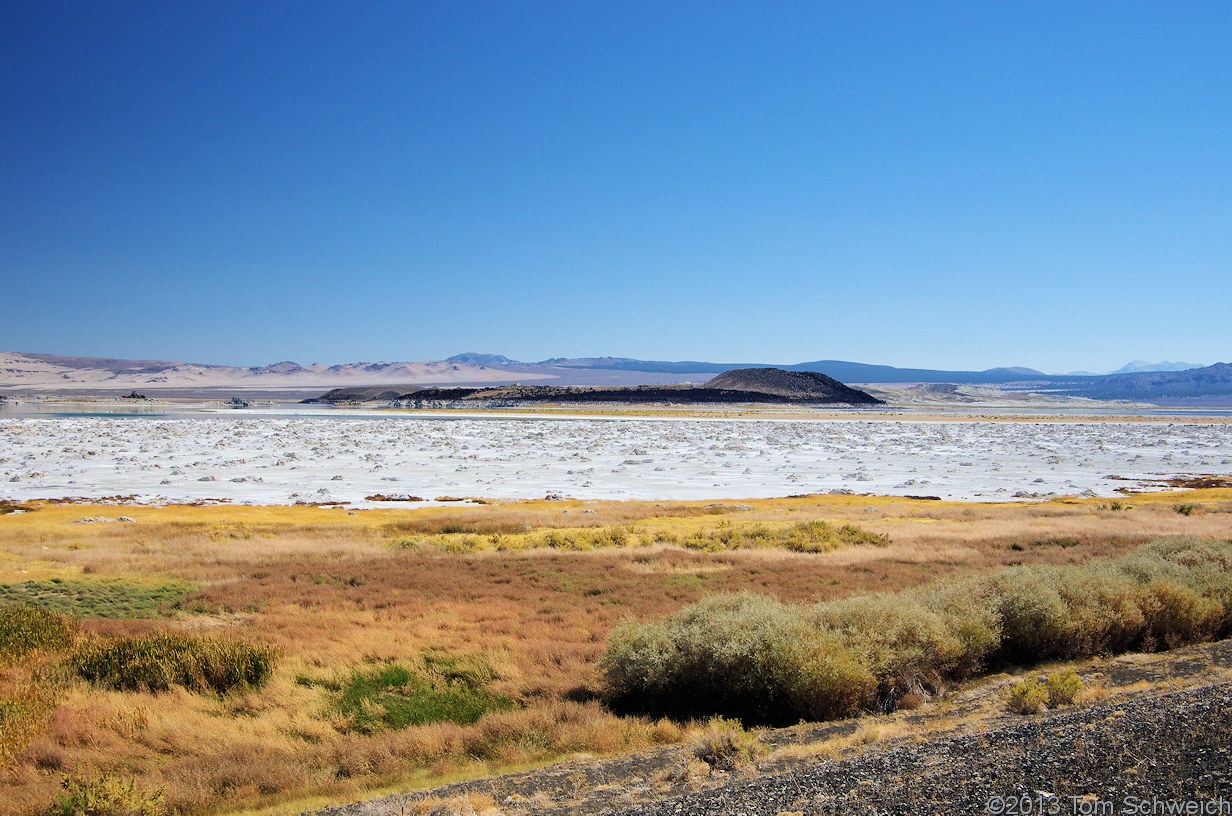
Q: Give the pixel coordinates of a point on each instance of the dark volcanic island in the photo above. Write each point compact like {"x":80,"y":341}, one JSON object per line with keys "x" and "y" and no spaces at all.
{"x":742,"y":385}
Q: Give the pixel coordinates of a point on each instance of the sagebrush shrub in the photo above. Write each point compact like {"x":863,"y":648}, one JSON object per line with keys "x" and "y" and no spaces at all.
{"x":105,"y":795}
{"x":726,"y":746}
{"x":1027,"y":697}
{"x":1063,"y":687}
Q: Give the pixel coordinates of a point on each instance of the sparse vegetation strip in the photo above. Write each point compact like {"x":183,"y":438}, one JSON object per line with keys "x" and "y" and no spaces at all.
{"x":804,"y":537}
{"x":895,"y":748}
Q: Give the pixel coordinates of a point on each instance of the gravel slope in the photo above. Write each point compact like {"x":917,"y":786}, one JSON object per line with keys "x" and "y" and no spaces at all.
{"x":1171,"y":747}
{"x":1164,"y":730}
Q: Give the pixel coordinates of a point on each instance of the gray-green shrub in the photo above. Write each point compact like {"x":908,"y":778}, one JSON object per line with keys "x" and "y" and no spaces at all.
{"x":764,"y":661}
{"x":904,"y":645}
{"x":969,"y":612}
{"x":1169,"y":592}
{"x":739,"y":655}
{"x":1063,"y":687}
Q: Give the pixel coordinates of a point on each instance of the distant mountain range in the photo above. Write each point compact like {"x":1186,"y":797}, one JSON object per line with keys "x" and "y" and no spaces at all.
{"x":1152,"y":386}
{"x":55,"y":373}
{"x":838,"y":369}
{"x":1141,"y":366}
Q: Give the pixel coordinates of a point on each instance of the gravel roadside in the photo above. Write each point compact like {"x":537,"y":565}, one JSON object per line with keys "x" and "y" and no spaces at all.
{"x":1134,"y":756}
{"x":1161,"y":732}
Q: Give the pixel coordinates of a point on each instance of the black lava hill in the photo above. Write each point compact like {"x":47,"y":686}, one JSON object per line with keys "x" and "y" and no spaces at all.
{"x":805,"y":386}
{"x":745,"y":385}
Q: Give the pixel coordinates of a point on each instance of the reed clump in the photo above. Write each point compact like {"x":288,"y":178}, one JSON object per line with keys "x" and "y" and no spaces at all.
{"x":26,"y":628}
{"x":159,"y":662}
{"x":23,"y":714}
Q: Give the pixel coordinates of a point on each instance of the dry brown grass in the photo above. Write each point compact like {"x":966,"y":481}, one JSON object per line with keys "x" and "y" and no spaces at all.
{"x":327,"y":588}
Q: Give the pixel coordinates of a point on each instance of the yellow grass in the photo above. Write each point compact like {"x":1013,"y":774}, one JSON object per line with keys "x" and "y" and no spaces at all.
{"x":332,"y":590}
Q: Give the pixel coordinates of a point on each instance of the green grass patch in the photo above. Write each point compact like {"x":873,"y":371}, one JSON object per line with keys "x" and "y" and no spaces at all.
{"x":391,"y":696}
{"x":687,"y":580}
{"x":161,"y":661}
{"x":100,"y":598}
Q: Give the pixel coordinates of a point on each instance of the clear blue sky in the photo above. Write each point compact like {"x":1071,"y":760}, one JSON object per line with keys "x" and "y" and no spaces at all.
{"x":952,"y":185}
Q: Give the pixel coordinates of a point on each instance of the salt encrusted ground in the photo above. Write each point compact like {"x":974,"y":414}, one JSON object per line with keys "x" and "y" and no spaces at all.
{"x":277,"y":459}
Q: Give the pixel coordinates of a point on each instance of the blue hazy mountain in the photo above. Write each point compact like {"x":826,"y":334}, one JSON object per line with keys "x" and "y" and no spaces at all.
{"x":1142,"y":367}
